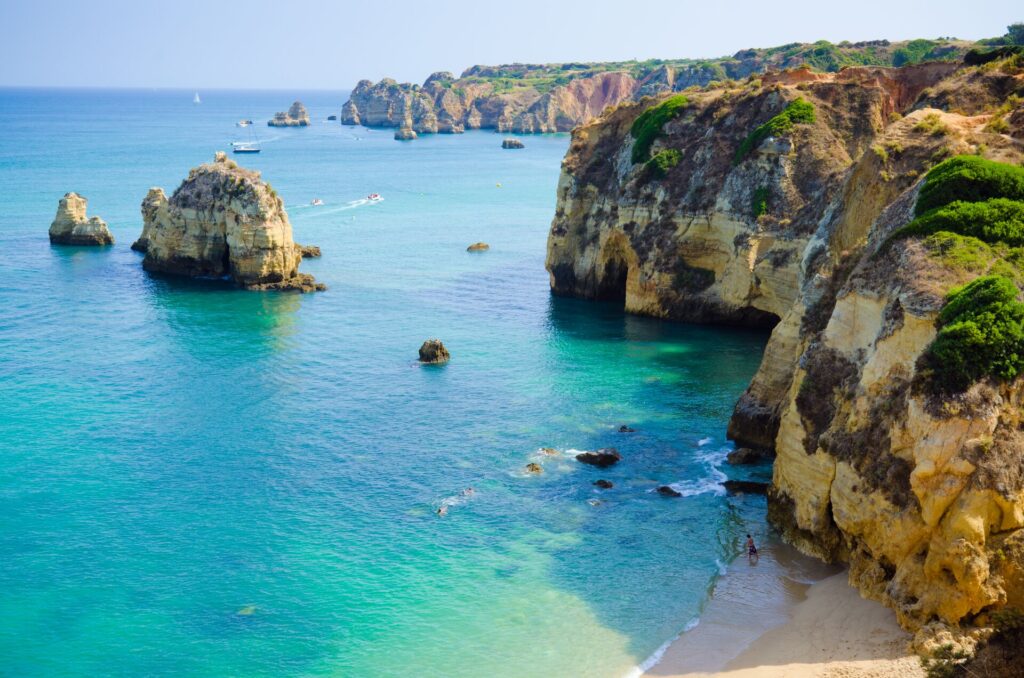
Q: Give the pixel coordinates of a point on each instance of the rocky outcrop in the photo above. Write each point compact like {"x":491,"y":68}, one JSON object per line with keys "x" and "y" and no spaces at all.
{"x":223,"y":221}
{"x":71,"y":227}
{"x":602,"y":458}
{"x":512,"y":144}
{"x":296,"y":116}
{"x":405,"y":134}
{"x":434,"y":352}
{"x":478,"y":247}
{"x":309,"y":251}
{"x":735,"y":215}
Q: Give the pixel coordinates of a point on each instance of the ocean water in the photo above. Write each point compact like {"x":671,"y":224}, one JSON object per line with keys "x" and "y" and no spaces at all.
{"x":203,"y":481}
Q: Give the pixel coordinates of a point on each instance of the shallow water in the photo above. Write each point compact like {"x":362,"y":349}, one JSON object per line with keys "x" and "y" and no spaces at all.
{"x":204,"y":481}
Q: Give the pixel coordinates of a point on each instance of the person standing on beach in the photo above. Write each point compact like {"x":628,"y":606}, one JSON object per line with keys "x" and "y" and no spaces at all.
{"x":751,"y":549}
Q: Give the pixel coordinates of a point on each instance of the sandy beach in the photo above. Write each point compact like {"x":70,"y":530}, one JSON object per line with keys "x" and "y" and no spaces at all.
{"x":791,"y":616}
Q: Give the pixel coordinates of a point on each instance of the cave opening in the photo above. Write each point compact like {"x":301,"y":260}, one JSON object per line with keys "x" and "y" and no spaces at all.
{"x":612,"y":286}
{"x":225,"y":261}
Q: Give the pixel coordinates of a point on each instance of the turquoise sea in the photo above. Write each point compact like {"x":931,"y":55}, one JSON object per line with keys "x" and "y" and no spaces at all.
{"x":203,"y":481}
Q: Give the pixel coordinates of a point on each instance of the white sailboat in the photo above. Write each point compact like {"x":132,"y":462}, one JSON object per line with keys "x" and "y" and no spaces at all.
{"x":250,"y":146}
{"x":195,"y":99}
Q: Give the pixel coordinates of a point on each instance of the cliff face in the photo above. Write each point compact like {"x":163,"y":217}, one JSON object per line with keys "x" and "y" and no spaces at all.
{"x":222,"y":221}
{"x":70,"y":226}
{"x":528,"y":98}
{"x":772,"y":203}
{"x":438,"y":106}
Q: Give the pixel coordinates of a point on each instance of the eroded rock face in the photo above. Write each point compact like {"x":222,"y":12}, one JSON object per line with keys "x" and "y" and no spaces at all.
{"x":71,"y":227}
{"x":295,"y":116}
{"x":923,"y":498}
{"x":222,"y":221}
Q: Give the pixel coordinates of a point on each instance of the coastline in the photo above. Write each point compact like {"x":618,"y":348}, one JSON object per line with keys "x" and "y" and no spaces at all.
{"x":789,"y":615}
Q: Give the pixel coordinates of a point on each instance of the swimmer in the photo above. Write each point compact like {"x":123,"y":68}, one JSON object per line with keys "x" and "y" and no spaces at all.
{"x":468,"y":492}
{"x":442,"y":510}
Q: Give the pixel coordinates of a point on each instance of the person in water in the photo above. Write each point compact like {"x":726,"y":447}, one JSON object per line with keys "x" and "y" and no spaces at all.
{"x":751,"y":549}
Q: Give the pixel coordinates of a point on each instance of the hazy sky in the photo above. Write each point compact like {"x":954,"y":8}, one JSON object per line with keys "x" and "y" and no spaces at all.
{"x":331,"y":45}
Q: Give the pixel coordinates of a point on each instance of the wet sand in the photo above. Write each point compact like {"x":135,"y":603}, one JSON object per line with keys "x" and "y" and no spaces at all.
{"x":789,"y":615}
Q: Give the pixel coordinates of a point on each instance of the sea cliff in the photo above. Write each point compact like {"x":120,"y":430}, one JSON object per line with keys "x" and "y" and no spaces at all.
{"x":791,"y":201}
{"x":531,"y":98}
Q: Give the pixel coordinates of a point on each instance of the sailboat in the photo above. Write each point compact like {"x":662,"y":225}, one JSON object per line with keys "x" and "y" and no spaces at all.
{"x":195,"y":99}
{"x":250,"y":146}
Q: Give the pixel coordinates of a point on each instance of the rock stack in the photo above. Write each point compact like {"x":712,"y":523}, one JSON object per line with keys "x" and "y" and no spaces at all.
{"x":433,"y":352}
{"x":512,"y":143}
{"x":71,"y":227}
{"x":296,"y":116}
{"x":223,"y":221}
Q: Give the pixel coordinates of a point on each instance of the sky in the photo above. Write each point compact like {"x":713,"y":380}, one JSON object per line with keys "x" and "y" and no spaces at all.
{"x":316,"y":44}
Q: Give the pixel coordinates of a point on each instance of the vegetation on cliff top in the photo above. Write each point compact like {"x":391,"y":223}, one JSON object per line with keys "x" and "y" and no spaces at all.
{"x":648,"y":125}
{"x":970,"y":178}
{"x":981,"y":334}
{"x":798,"y":111}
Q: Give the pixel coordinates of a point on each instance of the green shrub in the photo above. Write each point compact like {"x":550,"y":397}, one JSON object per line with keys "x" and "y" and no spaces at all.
{"x":981,"y":334}
{"x":971,"y":178}
{"x":663,"y":161}
{"x":759,"y":203}
{"x":914,"y":52}
{"x":798,"y":111}
{"x":995,"y":220}
{"x":647,"y":127}
{"x":932,"y":124}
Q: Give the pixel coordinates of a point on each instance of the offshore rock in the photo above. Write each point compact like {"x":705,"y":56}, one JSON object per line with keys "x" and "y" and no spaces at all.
{"x":71,"y":227}
{"x":666,"y":491}
{"x":478,"y":247}
{"x":405,"y":134}
{"x":604,"y":484}
{"x":223,"y":221}
{"x":745,"y":487}
{"x":309,"y":251}
{"x":296,"y":116}
{"x":434,"y":352}
{"x":602,"y":458}
{"x":512,"y":143}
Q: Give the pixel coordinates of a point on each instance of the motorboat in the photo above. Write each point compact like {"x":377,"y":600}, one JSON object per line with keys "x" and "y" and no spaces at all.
{"x":375,"y":197}
{"x":245,"y":147}
{"x":244,"y":123}
{"x":316,"y":202}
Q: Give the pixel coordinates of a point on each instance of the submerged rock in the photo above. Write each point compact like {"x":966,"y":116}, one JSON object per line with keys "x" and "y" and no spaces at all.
{"x":602,"y":458}
{"x":223,"y":221}
{"x":71,"y":227}
{"x":745,"y":487}
{"x":604,"y":484}
{"x":550,"y":451}
{"x":626,"y":429}
{"x":309,"y":251}
{"x":296,"y":116}
{"x":666,"y":491}
{"x":534,"y":468}
{"x":478,"y":247}
{"x":433,"y":352}
{"x":748,"y":455}
{"x":512,"y":143}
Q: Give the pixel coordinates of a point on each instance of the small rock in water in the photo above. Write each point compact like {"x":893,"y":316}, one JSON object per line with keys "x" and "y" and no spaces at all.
{"x":433,"y":352}
{"x":604,"y":484}
{"x":309,"y":251}
{"x":667,"y":491}
{"x":512,"y":143}
{"x":478,"y":247}
{"x":247,"y":610}
{"x":745,"y":487}
{"x":405,"y":134}
{"x":626,"y":429}
{"x":534,"y":468}
{"x":550,"y":451}
{"x":594,"y":502}
{"x":606,"y":456}
{"x":332,"y":117}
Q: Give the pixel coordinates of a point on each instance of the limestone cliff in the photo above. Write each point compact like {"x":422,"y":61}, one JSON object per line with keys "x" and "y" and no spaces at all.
{"x":528,"y":98}
{"x":223,"y":221}
{"x":295,"y":116}
{"x":772,"y":202}
{"x":71,"y":227}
